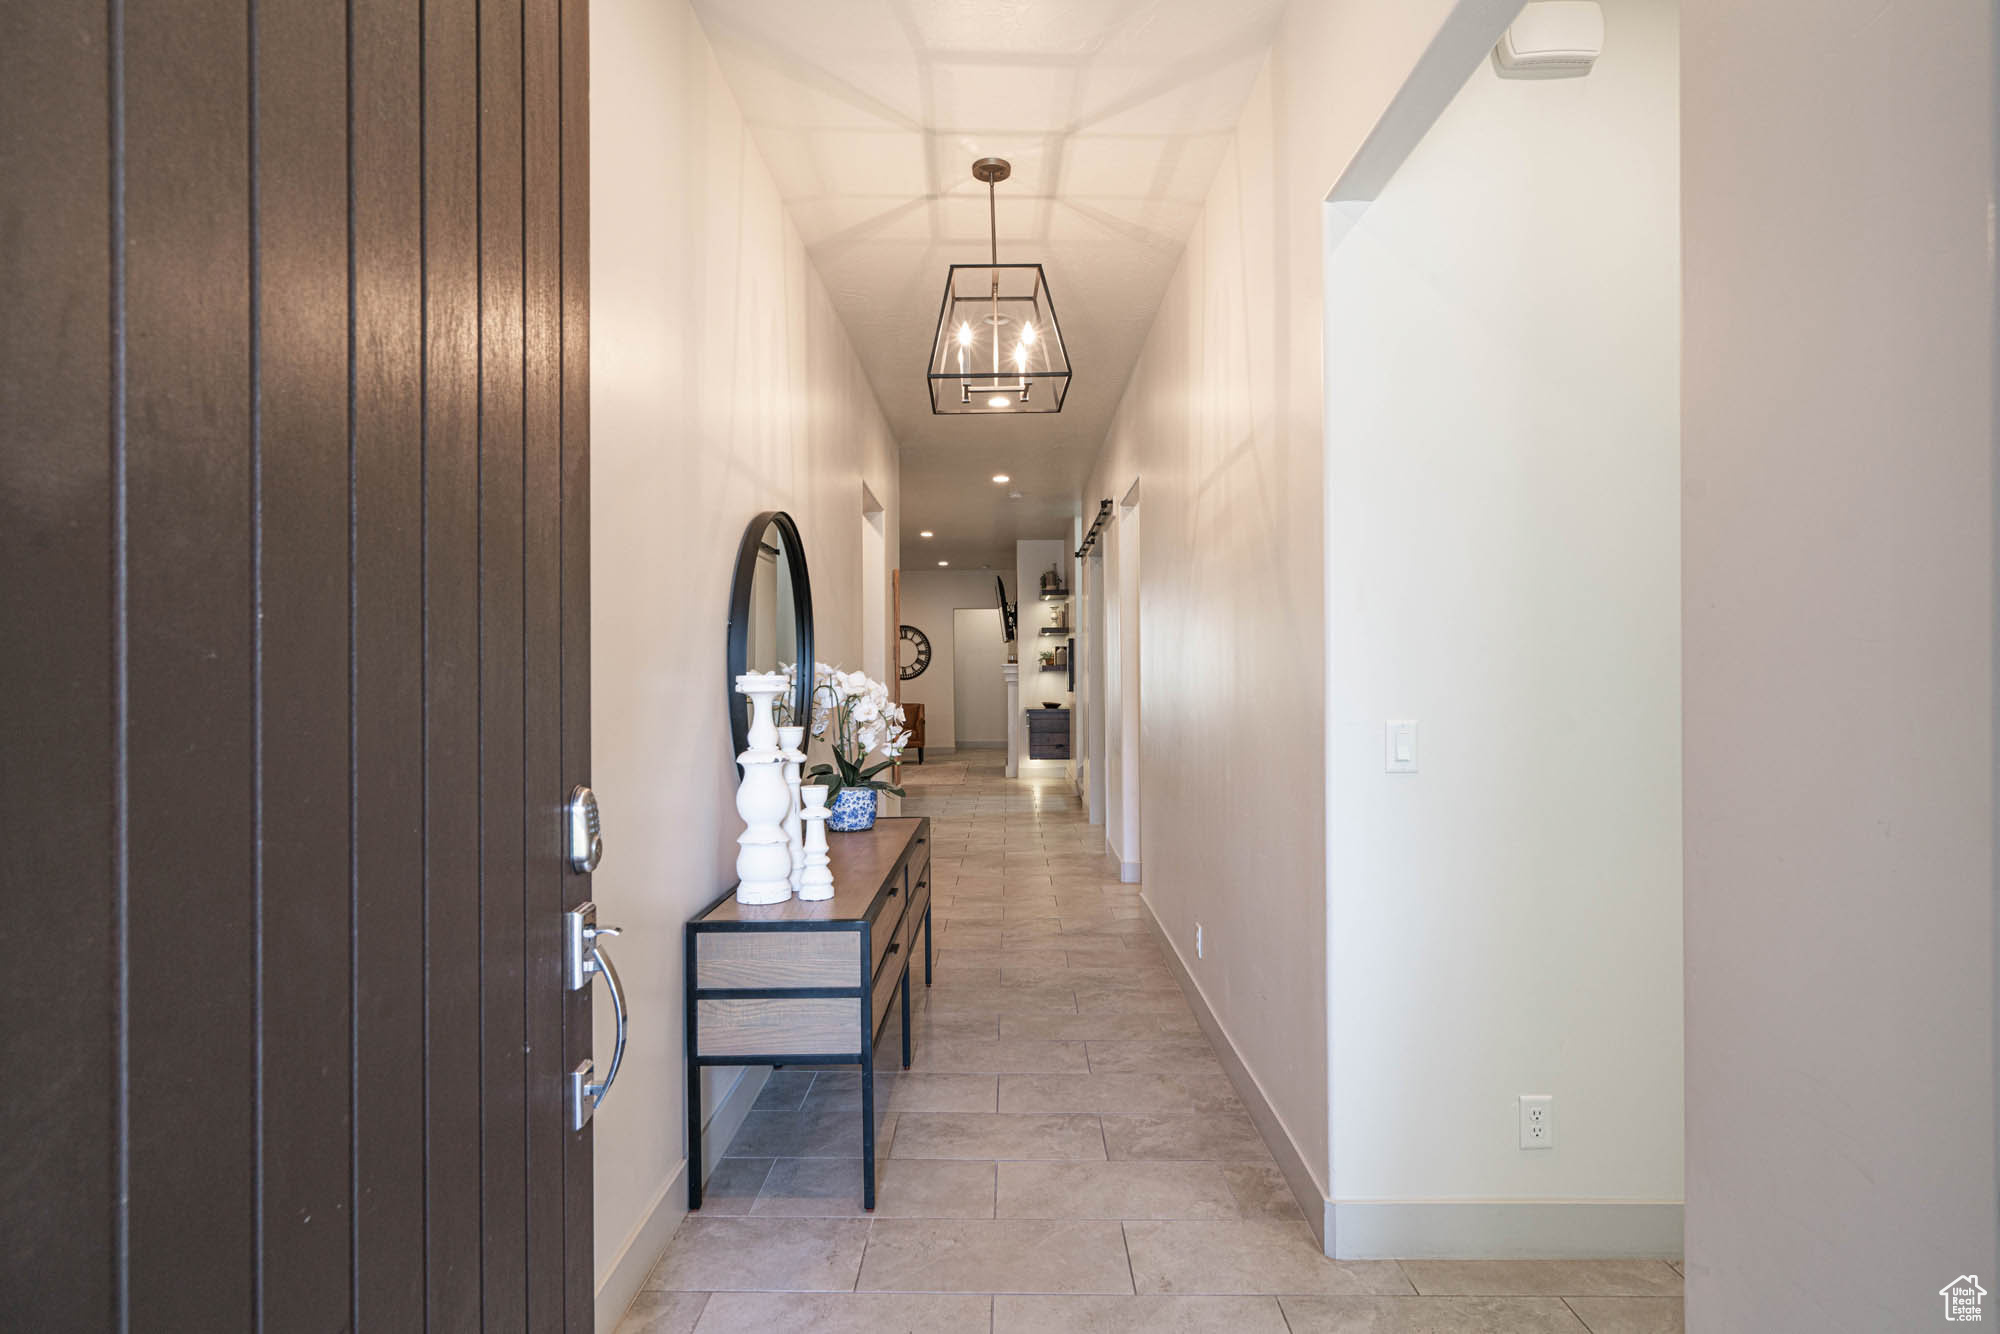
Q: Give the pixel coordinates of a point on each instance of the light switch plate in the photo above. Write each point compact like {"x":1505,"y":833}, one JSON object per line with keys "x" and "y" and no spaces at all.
{"x":1400,"y":755}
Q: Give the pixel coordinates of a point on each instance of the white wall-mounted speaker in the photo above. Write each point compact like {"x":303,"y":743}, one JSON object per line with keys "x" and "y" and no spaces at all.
{"x":1552,"y":39}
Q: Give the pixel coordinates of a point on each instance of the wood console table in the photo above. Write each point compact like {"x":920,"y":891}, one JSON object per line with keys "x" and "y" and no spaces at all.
{"x":798,"y":983}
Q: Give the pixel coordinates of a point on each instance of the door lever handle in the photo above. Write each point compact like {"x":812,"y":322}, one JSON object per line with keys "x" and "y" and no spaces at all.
{"x":586,"y":1094}
{"x":585,"y":959}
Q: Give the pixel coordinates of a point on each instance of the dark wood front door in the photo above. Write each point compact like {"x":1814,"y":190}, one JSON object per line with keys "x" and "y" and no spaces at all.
{"x":294,"y":672}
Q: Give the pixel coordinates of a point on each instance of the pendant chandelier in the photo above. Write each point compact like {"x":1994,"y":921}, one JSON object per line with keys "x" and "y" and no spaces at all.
{"x":998,"y":348}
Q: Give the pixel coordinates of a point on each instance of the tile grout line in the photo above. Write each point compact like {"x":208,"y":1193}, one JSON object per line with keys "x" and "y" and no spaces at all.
{"x":862,"y":1264}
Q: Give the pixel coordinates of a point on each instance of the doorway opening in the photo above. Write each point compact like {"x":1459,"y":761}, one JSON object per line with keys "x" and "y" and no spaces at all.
{"x":979,"y":705}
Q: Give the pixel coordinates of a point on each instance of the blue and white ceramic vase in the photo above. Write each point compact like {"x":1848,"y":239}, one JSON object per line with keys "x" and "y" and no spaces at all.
{"x":853,"y":809}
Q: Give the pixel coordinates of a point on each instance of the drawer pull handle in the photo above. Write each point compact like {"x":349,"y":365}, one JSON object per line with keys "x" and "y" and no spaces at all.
{"x":894,"y":945}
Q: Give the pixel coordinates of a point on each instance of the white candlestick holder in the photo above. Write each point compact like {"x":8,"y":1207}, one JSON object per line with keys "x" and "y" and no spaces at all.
{"x":815,"y":880}
{"x":791,"y":742}
{"x":763,"y":849}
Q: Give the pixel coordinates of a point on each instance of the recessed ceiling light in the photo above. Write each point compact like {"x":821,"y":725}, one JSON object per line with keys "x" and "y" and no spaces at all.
{"x":1002,"y":478}
{"x":997,"y":401}
{"x":944,"y":562}
{"x":927,"y":533}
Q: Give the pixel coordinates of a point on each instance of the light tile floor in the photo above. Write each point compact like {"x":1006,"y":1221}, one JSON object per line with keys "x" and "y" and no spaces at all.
{"x":1066,"y":1154}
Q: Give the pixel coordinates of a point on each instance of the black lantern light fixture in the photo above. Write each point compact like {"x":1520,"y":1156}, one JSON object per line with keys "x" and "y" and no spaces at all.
{"x":998,"y":348}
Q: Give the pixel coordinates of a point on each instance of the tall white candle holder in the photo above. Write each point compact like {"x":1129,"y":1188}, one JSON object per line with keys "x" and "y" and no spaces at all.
{"x":763,"y":850}
{"x":815,"y":880}
{"x":791,"y":744}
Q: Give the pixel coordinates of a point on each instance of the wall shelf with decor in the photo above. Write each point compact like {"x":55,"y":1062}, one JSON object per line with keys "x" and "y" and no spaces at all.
{"x":1055,"y":629}
{"x":1055,"y":595}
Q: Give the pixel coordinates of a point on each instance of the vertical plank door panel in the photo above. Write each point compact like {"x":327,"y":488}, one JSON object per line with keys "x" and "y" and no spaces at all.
{"x":388,"y":350}
{"x":302,"y":399}
{"x":542,"y":653}
{"x":295,"y":429}
{"x":502,"y":812}
{"x":194,"y":946}
{"x":451,"y":685}
{"x":58,"y":1046}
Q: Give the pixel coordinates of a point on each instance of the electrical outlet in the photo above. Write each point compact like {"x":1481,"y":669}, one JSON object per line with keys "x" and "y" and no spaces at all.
{"x":1538,"y":1121}
{"x":1197,"y":940}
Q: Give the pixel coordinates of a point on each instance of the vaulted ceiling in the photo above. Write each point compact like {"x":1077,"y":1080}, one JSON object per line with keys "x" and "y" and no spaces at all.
{"x":1115,"y":115}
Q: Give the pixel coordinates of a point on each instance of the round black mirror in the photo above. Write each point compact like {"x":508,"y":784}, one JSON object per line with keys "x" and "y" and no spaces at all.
{"x":770,"y":617}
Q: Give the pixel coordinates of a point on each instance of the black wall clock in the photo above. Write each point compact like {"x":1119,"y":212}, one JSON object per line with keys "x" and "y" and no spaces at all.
{"x":914,"y":654}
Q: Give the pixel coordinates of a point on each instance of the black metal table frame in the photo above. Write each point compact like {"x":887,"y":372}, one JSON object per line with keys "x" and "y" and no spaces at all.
{"x":865,"y":1058}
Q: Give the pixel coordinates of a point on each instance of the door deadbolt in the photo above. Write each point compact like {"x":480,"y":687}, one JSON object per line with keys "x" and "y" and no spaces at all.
{"x":586,"y":840}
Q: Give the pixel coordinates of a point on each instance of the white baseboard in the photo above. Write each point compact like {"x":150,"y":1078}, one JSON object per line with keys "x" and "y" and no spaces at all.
{"x":1505,"y":1229}
{"x":1305,"y":1188}
{"x":619,"y":1282}
{"x":1128,"y":874}
{"x":642,"y":1248}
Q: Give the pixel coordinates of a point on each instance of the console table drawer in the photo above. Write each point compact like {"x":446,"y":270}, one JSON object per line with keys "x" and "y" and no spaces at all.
{"x":882,"y":930}
{"x":778,"y":1026}
{"x":746,"y":960}
{"x":891,"y":977}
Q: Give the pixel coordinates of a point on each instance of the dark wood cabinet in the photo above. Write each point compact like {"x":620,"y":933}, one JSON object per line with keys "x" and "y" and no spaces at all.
{"x":1048,"y":734}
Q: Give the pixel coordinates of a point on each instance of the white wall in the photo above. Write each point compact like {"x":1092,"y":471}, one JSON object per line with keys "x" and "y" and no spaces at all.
{"x":929,"y":596}
{"x":1223,"y":419}
{"x":1839,"y":564}
{"x":979,"y":693}
{"x":1503,"y":566}
{"x":722,"y":385}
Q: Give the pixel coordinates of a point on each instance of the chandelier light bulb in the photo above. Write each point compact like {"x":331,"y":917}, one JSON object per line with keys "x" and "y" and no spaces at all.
{"x":965,"y":335}
{"x":1028,"y":333}
{"x":997,"y":401}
